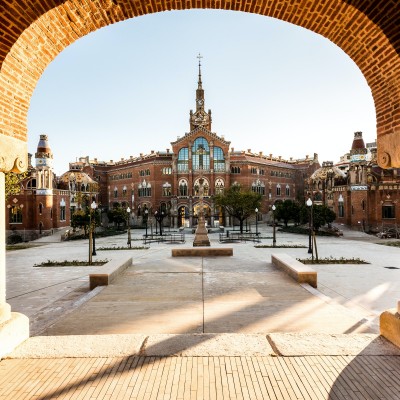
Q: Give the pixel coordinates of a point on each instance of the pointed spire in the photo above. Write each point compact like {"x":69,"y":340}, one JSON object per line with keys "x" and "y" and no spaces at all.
{"x":200,"y":83}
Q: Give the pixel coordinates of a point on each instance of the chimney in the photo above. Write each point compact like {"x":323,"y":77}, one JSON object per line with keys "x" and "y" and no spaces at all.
{"x":141,"y":154}
{"x":249,"y":150}
{"x":260,"y":154}
{"x":152,"y":151}
{"x":232,"y":149}
{"x":270,"y":156}
{"x":167,"y":151}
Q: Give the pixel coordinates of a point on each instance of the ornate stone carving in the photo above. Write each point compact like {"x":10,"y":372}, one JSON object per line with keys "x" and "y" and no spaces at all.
{"x":14,"y":154}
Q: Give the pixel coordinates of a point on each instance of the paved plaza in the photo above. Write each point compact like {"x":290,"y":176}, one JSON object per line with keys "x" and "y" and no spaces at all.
{"x":212,"y":327}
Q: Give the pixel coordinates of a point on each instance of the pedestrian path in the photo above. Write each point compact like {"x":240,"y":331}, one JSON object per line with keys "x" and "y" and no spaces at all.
{"x":136,"y":377}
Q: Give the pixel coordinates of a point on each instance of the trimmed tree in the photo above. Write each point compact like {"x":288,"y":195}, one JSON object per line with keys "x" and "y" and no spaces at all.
{"x":287,"y":210}
{"x":239,"y":203}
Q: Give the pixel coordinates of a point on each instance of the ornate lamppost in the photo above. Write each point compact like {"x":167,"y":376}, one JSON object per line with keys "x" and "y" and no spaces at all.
{"x":274,"y":228}
{"x":256,"y":210}
{"x":128,"y":210}
{"x":156,"y":217}
{"x":146,"y":215}
{"x":310,"y":246}
{"x":93,"y":207}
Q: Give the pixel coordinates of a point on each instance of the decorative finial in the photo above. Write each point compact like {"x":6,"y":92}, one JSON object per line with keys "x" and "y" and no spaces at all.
{"x":200,"y":57}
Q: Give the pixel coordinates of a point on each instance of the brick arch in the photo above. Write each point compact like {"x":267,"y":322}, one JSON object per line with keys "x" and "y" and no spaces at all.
{"x":33,"y":33}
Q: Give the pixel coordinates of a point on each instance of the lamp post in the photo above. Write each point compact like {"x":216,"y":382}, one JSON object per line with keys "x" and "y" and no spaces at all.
{"x":256,"y":210}
{"x":146,"y":214}
{"x":161,"y":220}
{"x":128,"y":210}
{"x":93,"y":207}
{"x":274,"y":231}
{"x":310,"y":247}
{"x":341,"y":201}
{"x":156,"y":217}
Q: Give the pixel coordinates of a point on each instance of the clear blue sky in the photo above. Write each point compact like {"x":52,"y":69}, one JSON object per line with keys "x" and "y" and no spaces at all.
{"x":272,"y":86}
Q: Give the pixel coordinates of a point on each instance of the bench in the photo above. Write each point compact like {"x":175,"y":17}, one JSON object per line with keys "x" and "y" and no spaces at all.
{"x":109,"y":271}
{"x":202,"y":252}
{"x":167,"y":238}
{"x":297,"y":270}
{"x":235,"y":236}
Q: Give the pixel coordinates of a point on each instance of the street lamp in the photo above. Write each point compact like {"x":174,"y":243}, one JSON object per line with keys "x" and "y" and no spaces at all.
{"x":341,"y":210}
{"x":274,"y":232}
{"x":156,"y":217}
{"x":310,"y":247}
{"x":146,"y":214}
{"x":93,"y":206}
{"x":128,"y":210}
{"x":256,"y":210}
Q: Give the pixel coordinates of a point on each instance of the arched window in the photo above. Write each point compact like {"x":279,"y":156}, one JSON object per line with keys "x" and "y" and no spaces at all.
{"x":201,"y":154}
{"x":219,"y":186}
{"x":62,"y":210}
{"x":166,"y":189}
{"x":115,"y":192}
{"x":206,"y":187}
{"x":258,"y":187}
{"x":144,"y":189}
{"x":183,"y":160}
{"x":183,"y":188}
{"x":124,"y":191}
{"x":15,"y":215}
{"x":287,"y":190}
{"x":31,"y":184}
{"x":219,"y":159}
{"x":235,"y":170}
{"x":278,"y":189}
{"x":40,"y":208}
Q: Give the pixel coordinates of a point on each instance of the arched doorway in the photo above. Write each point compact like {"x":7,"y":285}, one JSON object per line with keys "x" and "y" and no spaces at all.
{"x":207,"y":213}
{"x":183,"y":216}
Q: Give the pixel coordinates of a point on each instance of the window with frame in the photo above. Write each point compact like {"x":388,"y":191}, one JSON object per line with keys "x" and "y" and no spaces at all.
{"x":287,"y":190}
{"x":167,"y":171}
{"x":115,"y":192}
{"x":183,"y":159}
{"x":253,"y":170}
{"x":258,"y":187}
{"x":124,"y":191}
{"x":341,"y":209}
{"x":15,"y":215}
{"x":200,"y":154}
{"x":388,"y":211}
{"x":167,"y":191}
{"x":235,"y":170}
{"x":144,"y":189}
{"x":196,"y":188}
{"x":278,"y":189}
{"x":219,"y":159}
{"x":183,"y":188}
{"x":219,"y":186}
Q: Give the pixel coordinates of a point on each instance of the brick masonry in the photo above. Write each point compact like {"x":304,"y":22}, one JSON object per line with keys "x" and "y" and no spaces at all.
{"x":33,"y":34}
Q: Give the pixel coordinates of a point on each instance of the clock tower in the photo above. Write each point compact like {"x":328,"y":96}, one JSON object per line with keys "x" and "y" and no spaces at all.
{"x":200,"y":117}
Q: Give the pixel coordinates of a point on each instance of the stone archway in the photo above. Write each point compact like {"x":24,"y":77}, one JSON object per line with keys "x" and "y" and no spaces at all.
{"x":33,"y":33}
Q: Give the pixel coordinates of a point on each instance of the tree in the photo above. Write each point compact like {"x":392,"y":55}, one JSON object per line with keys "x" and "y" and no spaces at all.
{"x":13,"y":183}
{"x":239,"y":203}
{"x":287,"y":210}
{"x":82,"y":218}
{"x":322,"y":215}
{"x":118,"y":215}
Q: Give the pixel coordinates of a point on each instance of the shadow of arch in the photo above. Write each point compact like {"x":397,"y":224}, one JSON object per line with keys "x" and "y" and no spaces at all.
{"x":35,"y":33}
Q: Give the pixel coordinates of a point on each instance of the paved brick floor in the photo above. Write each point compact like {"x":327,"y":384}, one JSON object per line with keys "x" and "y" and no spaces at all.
{"x":312,"y":377}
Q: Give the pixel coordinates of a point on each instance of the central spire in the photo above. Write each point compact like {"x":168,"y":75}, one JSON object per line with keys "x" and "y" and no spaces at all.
{"x":199,"y":83}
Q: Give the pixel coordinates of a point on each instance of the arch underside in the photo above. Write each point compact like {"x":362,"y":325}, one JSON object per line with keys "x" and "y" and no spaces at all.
{"x":33,"y":33}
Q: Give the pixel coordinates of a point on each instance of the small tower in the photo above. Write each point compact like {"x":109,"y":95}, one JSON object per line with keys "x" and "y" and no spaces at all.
{"x":44,"y":166}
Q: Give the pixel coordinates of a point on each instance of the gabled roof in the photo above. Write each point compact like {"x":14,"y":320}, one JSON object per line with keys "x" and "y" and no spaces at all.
{"x":196,"y":131}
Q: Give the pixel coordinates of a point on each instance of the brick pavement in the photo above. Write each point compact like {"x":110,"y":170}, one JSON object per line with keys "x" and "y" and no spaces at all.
{"x":310,"y":377}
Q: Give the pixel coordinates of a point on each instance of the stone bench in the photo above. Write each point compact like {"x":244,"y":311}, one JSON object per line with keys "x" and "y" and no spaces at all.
{"x":202,"y":252}
{"x":389,"y":324}
{"x":109,"y":271}
{"x":297,"y":270}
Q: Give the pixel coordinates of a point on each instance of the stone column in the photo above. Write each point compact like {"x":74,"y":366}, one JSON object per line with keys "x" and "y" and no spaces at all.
{"x":14,"y":327}
{"x":5,"y":309}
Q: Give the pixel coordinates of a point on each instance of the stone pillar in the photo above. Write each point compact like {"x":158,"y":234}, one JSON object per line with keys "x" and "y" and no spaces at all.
{"x":14,"y":327}
{"x":5,"y":309}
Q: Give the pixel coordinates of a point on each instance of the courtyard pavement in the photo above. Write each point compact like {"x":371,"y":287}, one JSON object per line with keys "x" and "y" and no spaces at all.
{"x":228,"y":319}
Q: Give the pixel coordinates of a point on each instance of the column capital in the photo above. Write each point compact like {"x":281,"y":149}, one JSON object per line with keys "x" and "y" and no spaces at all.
{"x":14,"y":154}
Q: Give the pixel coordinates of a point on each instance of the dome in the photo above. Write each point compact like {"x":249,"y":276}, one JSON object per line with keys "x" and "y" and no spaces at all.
{"x":77,"y":177}
{"x":327,"y":169}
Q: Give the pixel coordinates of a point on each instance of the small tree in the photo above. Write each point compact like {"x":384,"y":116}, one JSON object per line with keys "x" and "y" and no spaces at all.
{"x":287,"y":210}
{"x":322,"y":215}
{"x":82,"y":219}
{"x":118,"y":216}
{"x":239,"y":203}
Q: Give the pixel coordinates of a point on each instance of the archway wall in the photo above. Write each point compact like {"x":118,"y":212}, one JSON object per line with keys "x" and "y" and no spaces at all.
{"x":33,"y":33}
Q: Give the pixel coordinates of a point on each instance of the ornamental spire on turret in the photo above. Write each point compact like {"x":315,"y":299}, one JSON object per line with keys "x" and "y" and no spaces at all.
{"x":200,"y":90}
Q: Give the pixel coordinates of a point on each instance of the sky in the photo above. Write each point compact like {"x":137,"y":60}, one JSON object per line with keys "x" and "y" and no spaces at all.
{"x":272,"y":86}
